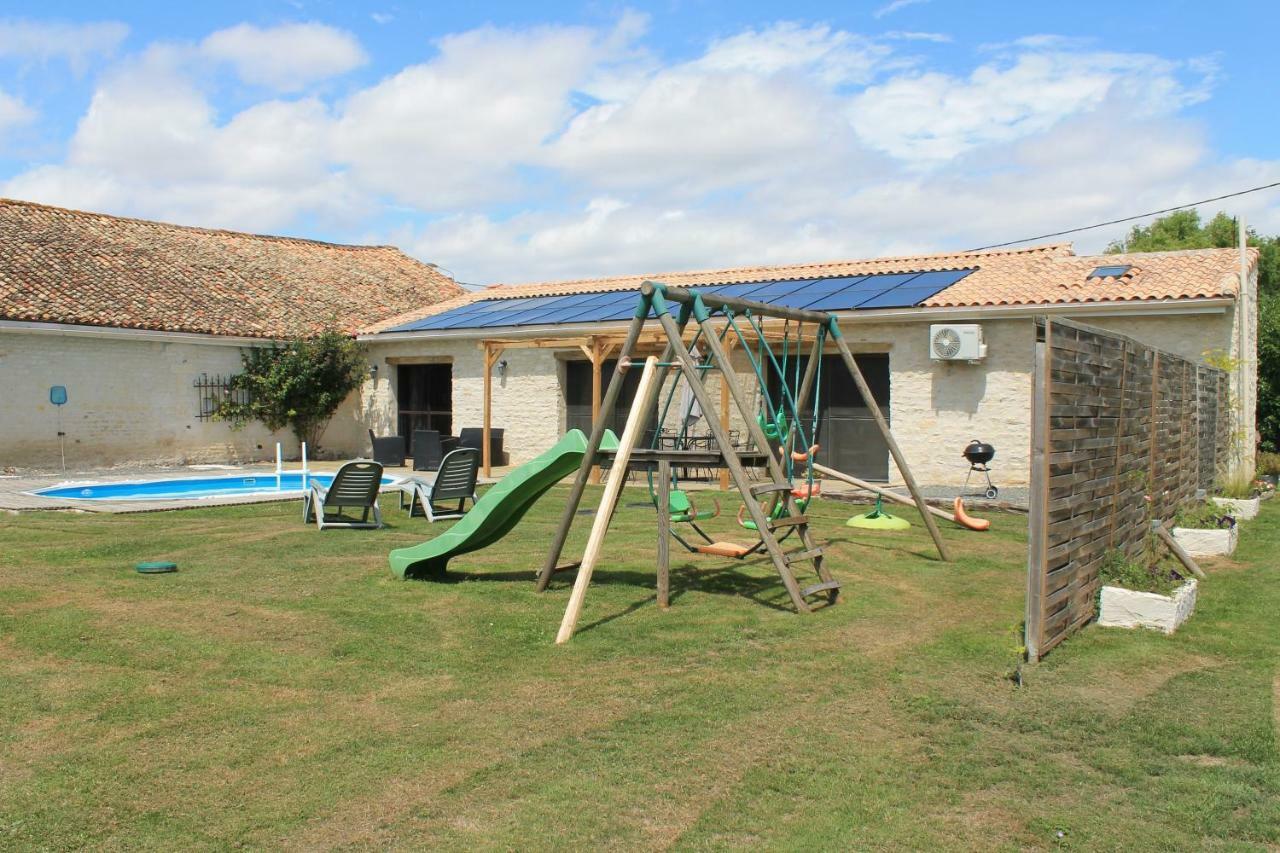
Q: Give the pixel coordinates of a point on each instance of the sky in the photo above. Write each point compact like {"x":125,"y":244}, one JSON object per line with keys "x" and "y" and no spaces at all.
{"x":513,"y":142}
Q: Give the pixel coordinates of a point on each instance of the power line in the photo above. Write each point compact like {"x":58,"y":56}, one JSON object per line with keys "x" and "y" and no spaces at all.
{"x":1126,"y":219}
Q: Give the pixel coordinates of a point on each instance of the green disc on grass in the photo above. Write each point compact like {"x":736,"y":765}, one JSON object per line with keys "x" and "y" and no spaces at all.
{"x":156,"y":568}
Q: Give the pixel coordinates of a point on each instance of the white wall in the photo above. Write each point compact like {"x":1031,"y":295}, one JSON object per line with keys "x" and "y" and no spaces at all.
{"x":129,"y":401}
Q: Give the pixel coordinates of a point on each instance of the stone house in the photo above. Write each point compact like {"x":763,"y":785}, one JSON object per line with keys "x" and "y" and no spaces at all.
{"x":130,"y":315}
{"x":544,"y":341}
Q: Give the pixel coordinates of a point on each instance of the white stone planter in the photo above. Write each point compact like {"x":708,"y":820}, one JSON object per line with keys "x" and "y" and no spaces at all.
{"x":1242,"y":510}
{"x":1125,"y":608}
{"x":1207,"y":543}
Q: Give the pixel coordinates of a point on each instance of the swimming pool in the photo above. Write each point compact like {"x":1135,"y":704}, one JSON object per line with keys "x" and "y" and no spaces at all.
{"x":288,"y":483}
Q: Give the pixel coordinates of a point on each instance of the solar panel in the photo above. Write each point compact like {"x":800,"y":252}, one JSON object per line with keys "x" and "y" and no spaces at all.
{"x":841,"y":293}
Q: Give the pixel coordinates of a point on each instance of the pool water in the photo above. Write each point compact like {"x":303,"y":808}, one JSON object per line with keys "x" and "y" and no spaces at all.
{"x":290,"y":482}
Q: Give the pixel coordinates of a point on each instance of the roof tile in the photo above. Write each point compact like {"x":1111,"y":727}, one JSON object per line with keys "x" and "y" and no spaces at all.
{"x":70,"y":266}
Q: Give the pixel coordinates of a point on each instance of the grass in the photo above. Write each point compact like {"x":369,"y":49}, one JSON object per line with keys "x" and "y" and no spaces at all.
{"x":282,"y":690}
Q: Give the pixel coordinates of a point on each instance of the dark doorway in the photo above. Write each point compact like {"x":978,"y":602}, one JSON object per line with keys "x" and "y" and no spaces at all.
{"x":851,"y":441}
{"x":577,"y":395}
{"x":425,"y":396}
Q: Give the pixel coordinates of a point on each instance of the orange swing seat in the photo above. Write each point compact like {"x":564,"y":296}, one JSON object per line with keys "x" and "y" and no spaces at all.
{"x":724,"y":549}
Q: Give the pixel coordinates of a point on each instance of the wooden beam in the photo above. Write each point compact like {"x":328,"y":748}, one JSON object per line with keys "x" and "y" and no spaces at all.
{"x":1177,"y":550}
{"x":492,"y":352}
{"x":901,"y":461}
{"x":594,"y":353}
{"x":664,"y":534}
{"x":730,"y":342}
{"x":588,"y":459}
{"x":600,"y":524}
{"x":1038,"y":505}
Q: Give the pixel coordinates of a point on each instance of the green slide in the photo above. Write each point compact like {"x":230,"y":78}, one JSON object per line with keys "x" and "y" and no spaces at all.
{"x":499,"y":510}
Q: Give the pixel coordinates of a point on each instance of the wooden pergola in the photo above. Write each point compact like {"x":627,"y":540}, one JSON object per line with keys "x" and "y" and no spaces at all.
{"x":597,"y":348}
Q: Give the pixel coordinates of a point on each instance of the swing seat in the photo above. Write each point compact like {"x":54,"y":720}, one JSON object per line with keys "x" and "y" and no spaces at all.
{"x":804,"y":491}
{"x":682,"y":509}
{"x":724,"y":549}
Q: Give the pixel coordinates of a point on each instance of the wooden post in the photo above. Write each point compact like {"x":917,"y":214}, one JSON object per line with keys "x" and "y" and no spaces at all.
{"x":1115,"y":473}
{"x":597,"y":381}
{"x":600,"y":525}
{"x":1157,"y":502}
{"x":1177,"y":550}
{"x":724,"y":408}
{"x":593,"y":447}
{"x":492,"y":352}
{"x":878,"y":490}
{"x":1038,"y":507}
{"x":664,"y":534}
{"x":898,"y":458}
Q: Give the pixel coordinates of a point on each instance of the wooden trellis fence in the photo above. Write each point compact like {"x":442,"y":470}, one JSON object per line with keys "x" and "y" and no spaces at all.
{"x":1122,"y":434}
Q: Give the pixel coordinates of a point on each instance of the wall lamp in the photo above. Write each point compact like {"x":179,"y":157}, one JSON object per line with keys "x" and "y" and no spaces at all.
{"x":502,"y":368}
{"x":373,"y":371}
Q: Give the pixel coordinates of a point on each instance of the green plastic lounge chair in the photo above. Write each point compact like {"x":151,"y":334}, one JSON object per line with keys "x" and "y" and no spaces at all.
{"x":455,"y":481}
{"x":355,"y":486}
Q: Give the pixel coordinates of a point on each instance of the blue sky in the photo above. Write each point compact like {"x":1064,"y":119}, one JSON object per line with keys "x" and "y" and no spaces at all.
{"x":517,"y":141}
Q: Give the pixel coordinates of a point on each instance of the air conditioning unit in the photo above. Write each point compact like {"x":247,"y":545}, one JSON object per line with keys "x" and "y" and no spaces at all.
{"x":956,"y":342}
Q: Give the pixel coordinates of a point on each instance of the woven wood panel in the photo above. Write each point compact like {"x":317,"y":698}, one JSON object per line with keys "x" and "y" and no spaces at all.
{"x":1128,"y":434}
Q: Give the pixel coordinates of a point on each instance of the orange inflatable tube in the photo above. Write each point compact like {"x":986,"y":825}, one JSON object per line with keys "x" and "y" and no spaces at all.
{"x":963,"y":519}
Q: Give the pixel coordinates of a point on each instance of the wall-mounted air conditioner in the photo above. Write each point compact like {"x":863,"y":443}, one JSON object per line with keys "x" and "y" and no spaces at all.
{"x":956,"y":342}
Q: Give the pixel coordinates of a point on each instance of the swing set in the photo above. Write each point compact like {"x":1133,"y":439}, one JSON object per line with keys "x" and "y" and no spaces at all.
{"x":780,"y":422}
{"x":773,"y":510}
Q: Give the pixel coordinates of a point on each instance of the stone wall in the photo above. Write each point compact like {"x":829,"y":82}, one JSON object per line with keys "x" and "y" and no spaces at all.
{"x":132,"y":400}
{"x":128,"y":401}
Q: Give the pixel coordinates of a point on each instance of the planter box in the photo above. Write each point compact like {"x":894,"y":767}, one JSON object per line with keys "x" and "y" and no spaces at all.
{"x":1125,"y":608}
{"x":1242,"y":510}
{"x":1207,"y":543}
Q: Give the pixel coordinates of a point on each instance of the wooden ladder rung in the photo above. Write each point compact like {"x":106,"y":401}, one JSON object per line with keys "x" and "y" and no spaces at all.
{"x":766,"y":488}
{"x":793,"y":521}
{"x":819,"y":587}
{"x":801,"y":556}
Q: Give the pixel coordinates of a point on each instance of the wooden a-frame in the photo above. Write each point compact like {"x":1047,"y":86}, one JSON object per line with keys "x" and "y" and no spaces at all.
{"x":657,"y":297}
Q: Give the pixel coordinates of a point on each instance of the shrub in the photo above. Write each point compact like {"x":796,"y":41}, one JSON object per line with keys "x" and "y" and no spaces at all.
{"x":1203,"y":516}
{"x":299,"y":385}
{"x":1238,"y":485}
{"x":1269,"y":463}
{"x":1148,"y":572}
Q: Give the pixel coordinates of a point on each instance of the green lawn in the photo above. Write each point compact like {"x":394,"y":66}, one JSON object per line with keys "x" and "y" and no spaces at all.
{"x":283,"y":689}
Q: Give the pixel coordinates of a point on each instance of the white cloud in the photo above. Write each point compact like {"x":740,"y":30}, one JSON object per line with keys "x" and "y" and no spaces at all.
{"x":451,"y":131}
{"x":13,"y":112}
{"x":150,"y":145}
{"x":932,"y":117}
{"x":907,"y":35}
{"x":77,"y":44}
{"x":551,"y":152}
{"x":382,"y":17}
{"x":895,"y":6}
{"x":288,"y":57}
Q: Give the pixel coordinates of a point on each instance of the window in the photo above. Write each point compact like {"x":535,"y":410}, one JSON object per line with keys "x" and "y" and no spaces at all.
{"x":1110,"y":272}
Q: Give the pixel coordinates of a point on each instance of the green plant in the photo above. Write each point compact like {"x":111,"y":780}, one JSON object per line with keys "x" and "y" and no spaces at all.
{"x":1269,"y":463}
{"x":1147,"y":572}
{"x":299,"y":385}
{"x":1203,"y":515}
{"x":1238,"y":485}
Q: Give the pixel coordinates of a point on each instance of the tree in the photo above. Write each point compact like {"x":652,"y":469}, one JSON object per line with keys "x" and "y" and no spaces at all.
{"x":299,"y":384}
{"x":1183,"y":230}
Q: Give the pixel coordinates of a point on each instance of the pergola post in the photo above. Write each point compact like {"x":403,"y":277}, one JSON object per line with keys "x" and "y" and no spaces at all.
{"x":597,"y":352}
{"x":492,"y":352}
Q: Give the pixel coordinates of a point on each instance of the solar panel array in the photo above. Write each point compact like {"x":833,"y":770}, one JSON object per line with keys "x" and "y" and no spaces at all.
{"x":844,"y":293}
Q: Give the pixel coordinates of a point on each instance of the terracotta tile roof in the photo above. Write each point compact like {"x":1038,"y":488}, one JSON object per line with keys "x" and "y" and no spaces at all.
{"x":1036,"y":275}
{"x":69,"y":266}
